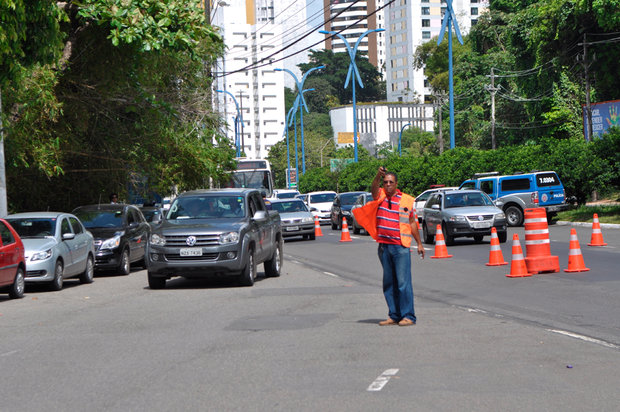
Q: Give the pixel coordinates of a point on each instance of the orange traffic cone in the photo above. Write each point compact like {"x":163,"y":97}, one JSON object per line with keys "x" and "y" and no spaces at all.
{"x":575,"y":258}
{"x":597,"y":235}
{"x":317,"y":227}
{"x":345,"y":237}
{"x":441,"y":251}
{"x":518,"y":269}
{"x":495,"y":255}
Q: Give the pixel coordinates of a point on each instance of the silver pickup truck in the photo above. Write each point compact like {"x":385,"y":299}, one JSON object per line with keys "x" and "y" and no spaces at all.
{"x":209,"y":233}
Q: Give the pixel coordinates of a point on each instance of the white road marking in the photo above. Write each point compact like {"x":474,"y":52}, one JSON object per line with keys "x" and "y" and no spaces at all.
{"x":382,"y":380}
{"x":584,"y":338}
{"x":9,"y":353}
{"x":331,"y":274}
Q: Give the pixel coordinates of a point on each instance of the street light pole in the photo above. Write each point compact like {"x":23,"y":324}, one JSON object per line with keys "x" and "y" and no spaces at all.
{"x":400,"y":138}
{"x":302,"y":101}
{"x":237,"y":120}
{"x":352,"y":71}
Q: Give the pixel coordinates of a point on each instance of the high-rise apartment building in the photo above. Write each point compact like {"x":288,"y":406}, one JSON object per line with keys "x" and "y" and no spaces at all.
{"x":255,"y":33}
{"x":353,"y":18}
{"x":410,"y":23}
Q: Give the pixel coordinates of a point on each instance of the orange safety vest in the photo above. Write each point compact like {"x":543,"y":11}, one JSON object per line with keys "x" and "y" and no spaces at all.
{"x":366,"y":216}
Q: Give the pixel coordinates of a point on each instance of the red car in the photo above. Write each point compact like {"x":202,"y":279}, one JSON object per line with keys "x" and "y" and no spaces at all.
{"x":12,"y":264}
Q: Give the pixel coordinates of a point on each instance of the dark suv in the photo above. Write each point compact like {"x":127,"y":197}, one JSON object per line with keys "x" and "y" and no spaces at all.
{"x":121,"y":234}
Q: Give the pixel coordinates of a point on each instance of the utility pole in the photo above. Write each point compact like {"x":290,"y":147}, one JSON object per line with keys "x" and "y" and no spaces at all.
{"x":586,"y":66}
{"x":492,"y":89}
{"x":3,"y":202}
{"x":242,"y":122}
{"x":440,"y":99}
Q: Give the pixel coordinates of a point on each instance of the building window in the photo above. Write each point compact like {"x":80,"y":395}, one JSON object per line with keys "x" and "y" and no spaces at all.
{"x":474,"y":22}
{"x":426,"y":23}
{"x":474,"y":11}
{"x":426,"y":11}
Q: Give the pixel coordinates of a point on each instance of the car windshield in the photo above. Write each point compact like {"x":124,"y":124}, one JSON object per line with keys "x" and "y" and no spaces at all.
{"x":207,"y":207}
{"x":466,"y":199}
{"x":348,"y":199}
{"x":286,"y":195}
{"x":26,"y":228}
{"x":150,"y":215}
{"x":288,"y":207}
{"x":100,"y":218}
{"x":322,"y":198}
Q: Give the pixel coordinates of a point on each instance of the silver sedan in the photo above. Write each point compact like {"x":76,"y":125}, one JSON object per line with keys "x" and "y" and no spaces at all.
{"x":57,"y":246}
{"x":295,"y":217}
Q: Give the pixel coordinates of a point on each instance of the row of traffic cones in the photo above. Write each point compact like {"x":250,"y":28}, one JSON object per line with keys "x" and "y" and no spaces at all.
{"x":344,"y":237}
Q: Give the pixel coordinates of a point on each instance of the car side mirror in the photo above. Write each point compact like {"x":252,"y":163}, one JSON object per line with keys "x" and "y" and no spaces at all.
{"x":133,"y":225}
{"x":68,"y":236}
{"x":436,"y":207}
{"x":260,"y":216}
{"x":499,"y":203}
{"x":313,"y":209}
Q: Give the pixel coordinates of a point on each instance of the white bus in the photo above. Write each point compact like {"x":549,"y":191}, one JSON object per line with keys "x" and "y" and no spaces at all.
{"x":252,"y":173}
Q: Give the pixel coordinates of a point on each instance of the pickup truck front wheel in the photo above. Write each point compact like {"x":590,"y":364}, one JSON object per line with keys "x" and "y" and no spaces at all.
{"x":273,"y":266}
{"x":249,"y":272}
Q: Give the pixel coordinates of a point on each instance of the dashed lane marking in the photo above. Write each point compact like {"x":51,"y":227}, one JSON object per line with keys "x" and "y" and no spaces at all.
{"x":584,"y":338}
{"x":382,"y":380}
{"x":331,"y":274}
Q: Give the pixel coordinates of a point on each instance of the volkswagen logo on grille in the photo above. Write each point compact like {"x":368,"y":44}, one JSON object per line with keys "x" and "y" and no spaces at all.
{"x":191,"y":240}
{"x":480,"y":217}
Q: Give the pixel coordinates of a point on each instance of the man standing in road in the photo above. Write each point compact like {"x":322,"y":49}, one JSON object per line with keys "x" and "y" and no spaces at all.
{"x":390,"y":220}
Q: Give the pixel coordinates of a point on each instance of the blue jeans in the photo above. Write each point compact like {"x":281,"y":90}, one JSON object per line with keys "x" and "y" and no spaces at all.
{"x":397,"y":288}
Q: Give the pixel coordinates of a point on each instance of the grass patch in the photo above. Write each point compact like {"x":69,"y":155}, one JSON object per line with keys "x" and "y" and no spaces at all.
{"x":606,"y":214}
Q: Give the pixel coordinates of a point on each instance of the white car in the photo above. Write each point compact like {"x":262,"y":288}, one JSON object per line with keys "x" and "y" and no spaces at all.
{"x":320,"y":204}
{"x":420,"y":201}
{"x":284,"y":194}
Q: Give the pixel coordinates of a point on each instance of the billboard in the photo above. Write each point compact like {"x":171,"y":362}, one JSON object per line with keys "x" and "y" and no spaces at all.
{"x":604,"y":116}
{"x":346,"y":138}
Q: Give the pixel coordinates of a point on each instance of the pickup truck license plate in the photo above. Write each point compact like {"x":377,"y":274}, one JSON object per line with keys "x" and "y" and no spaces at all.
{"x":191,"y":251}
{"x":481,"y":225}
{"x":292,"y":228}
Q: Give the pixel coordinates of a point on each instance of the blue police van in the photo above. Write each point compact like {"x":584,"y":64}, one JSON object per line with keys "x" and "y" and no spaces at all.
{"x":521,"y":191}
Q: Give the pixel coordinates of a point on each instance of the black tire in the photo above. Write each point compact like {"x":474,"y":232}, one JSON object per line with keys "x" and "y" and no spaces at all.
{"x":273,"y":266}
{"x":428,"y":238}
{"x":156,"y":282}
{"x":502,"y":236}
{"x":514,"y":215}
{"x":478,"y":238}
{"x":89,"y":272}
{"x":124,"y":267}
{"x":312,"y":236}
{"x":334,"y":226}
{"x":356,"y":229}
{"x":56,"y":284}
{"x":448,"y":238}
{"x":249,"y":272}
{"x":19,"y":284}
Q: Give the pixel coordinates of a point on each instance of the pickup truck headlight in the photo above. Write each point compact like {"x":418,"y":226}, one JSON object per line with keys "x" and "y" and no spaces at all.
{"x":41,"y":255}
{"x":307,"y":220}
{"x":460,"y":219}
{"x":500,"y":216}
{"x":157,"y":240}
{"x":111,"y":243}
{"x":346,"y":212}
{"x":229,"y":237}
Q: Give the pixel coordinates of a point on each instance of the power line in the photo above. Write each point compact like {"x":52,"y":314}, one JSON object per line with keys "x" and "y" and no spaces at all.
{"x":258,"y":65}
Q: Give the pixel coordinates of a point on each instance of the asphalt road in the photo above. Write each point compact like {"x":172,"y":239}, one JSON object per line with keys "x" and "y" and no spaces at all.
{"x":309,"y":339}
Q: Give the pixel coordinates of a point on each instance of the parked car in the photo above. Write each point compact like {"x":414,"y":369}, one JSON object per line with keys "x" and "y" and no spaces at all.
{"x":361,"y":200}
{"x":153,"y":214}
{"x":207,"y":233}
{"x":57,"y":247}
{"x":12,"y":261}
{"x":420,"y":200}
{"x":121,"y":235}
{"x":341,"y":208}
{"x":462,"y":213}
{"x":284,"y":193}
{"x":320,"y":204}
{"x":521,"y":191}
{"x":295,"y":217}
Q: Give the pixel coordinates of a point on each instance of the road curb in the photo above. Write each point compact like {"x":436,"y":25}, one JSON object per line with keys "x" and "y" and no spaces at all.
{"x":589,"y":224}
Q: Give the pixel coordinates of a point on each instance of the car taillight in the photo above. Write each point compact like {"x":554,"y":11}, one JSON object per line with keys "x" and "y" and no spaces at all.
{"x":535,"y":197}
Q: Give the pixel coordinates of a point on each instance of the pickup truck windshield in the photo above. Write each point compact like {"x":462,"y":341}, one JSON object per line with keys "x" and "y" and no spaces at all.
{"x":207,"y":207}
